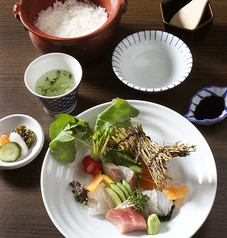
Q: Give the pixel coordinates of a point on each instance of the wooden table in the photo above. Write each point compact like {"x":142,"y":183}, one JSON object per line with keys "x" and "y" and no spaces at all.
{"x":22,"y":212}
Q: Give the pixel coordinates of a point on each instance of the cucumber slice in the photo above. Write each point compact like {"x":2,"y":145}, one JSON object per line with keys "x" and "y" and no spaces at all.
{"x":128,"y":187}
{"x":15,"y":137}
{"x":10,"y":151}
{"x":118,"y":191}
{"x":124,"y":189}
{"x":114,"y":196}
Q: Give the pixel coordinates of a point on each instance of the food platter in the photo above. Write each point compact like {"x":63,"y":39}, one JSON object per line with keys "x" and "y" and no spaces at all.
{"x":163,"y":125}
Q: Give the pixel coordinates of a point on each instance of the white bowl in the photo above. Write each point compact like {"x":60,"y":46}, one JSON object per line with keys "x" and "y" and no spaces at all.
{"x":207,"y":91}
{"x":64,"y":103}
{"x":8,"y":124}
{"x":152,"y":61}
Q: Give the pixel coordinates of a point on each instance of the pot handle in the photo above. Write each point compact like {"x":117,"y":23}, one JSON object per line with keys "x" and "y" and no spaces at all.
{"x":123,"y":8}
{"x":17,"y":11}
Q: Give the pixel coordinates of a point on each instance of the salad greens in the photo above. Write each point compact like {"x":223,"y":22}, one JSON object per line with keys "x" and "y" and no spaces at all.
{"x":125,"y":158}
{"x":137,"y":200}
{"x":66,"y":129}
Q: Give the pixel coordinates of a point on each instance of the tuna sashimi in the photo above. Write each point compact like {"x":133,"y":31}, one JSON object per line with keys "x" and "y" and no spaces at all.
{"x":113,"y":171}
{"x":126,"y":220}
{"x":129,"y":175}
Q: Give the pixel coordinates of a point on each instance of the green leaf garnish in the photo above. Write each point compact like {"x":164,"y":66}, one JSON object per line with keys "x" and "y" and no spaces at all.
{"x":66,"y":129}
{"x":137,"y":200}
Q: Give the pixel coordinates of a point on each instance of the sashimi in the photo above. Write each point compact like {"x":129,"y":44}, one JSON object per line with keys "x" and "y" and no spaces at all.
{"x":164,"y":203}
{"x":129,"y":175}
{"x":113,"y":171}
{"x":126,"y":220}
{"x":98,"y":201}
{"x":158,"y":204}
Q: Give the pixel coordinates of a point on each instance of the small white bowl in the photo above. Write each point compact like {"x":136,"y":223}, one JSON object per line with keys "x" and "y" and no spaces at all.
{"x":152,"y":61}
{"x":8,"y":124}
{"x":64,"y":103}
{"x":205,"y":92}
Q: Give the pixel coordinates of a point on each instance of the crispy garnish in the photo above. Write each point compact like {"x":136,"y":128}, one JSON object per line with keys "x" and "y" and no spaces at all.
{"x":154,"y":156}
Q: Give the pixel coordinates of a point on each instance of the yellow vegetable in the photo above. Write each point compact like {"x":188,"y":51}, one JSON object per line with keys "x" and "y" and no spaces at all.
{"x":96,"y":180}
{"x":174,"y":192}
{"x":107,"y":180}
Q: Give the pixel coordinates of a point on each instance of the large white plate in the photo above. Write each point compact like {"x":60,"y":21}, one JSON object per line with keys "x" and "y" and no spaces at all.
{"x":198,"y":171}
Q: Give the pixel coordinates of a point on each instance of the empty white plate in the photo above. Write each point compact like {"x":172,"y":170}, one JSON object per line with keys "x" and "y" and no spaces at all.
{"x":152,"y":61}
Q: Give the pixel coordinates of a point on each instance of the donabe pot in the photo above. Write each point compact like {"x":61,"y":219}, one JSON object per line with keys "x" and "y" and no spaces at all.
{"x":85,"y":48}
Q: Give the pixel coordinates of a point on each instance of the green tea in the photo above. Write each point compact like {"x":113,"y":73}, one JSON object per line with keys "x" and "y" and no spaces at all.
{"x":55,"y":83}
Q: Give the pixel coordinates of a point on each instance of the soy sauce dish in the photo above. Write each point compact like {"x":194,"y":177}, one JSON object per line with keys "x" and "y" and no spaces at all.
{"x":8,"y":124}
{"x":208,"y":106}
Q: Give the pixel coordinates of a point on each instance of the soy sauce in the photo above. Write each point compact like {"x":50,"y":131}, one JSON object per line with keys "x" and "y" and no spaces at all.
{"x":209,"y":107}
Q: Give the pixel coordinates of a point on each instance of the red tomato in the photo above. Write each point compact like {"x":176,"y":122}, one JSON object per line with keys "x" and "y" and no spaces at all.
{"x":91,"y":166}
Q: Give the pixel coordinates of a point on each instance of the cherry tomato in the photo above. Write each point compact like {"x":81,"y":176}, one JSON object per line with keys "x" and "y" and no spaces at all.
{"x":91,"y":166}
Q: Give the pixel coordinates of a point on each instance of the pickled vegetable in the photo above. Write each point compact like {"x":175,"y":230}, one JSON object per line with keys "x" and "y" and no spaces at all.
{"x":4,"y":139}
{"x":26,"y":134}
{"x":10,"y":151}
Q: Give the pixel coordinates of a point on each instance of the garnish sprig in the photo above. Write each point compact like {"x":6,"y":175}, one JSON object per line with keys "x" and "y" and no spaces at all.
{"x":154,"y":156}
{"x":137,"y":200}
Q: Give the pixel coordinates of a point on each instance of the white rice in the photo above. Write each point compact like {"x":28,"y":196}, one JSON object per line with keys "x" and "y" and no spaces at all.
{"x":71,"y":18}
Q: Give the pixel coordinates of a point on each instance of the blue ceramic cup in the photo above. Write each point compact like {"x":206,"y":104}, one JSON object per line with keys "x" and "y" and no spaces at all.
{"x":54,"y":105}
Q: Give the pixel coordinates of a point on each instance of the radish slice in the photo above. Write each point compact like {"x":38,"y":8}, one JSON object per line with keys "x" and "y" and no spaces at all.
{"x":17,"y":138}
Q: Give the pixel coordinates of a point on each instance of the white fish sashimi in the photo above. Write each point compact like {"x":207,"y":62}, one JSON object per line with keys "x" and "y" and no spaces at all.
{"x":152,"y":204}
{"x":113,"y":171}
{"x":119,"y":172}
{"x":17,"y":138}
{"x":129,"y":175}
{"x":164,"y":203}
{"x":158,"y":203}
{"x":99,"y":201}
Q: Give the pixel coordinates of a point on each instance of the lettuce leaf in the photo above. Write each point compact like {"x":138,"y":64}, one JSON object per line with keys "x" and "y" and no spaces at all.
{"x":59,"y":125}
{"x":118,"y":114}
{"x":63,"y":132}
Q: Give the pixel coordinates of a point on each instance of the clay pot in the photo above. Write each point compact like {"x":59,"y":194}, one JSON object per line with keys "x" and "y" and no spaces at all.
{"x":85,"y":48}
